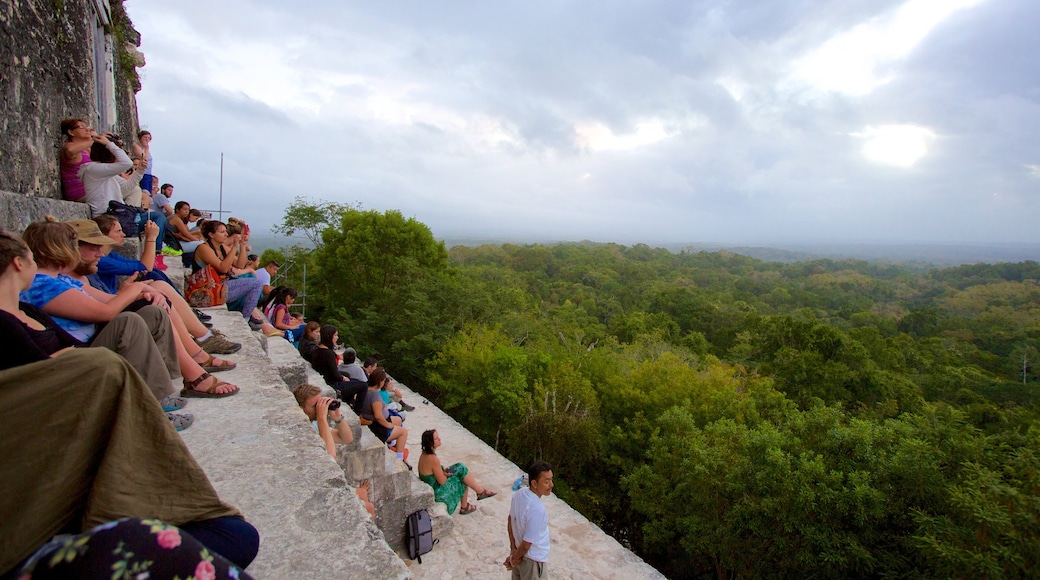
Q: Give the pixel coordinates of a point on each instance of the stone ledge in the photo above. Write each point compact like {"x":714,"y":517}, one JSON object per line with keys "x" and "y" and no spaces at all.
{"x":18,"y":210}
{"x":262,"y":456}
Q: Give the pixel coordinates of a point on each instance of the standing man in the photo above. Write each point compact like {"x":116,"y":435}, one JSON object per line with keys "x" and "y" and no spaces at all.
{"x":528,"y":526}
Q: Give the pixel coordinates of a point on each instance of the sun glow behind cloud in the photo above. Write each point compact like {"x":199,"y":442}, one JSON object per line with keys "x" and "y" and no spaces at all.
{"x":599,"y":137}
{"x":854,"y":62}
{"x":899,"y":145}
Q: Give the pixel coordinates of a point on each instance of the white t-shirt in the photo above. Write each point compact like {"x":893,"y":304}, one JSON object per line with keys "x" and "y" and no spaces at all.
{"x":263,"y":276}
{"x":530,"y":523}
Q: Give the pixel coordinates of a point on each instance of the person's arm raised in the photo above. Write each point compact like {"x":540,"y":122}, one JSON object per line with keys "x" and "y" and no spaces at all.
{"x":206,"y":255}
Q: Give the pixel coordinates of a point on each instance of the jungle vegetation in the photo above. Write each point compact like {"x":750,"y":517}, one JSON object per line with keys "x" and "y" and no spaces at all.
{"x":720,"y":415}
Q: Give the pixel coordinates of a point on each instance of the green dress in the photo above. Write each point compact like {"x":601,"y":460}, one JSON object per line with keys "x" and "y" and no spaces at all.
{"x":450,"y":494}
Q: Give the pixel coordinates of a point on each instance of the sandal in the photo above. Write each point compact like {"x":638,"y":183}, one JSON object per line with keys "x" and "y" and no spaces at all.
{"x":181,"y":421}
{"x":468,"y":509}
{"x":172,"y":403}
{"x":485,"y":494}
{"x":189,"y":389}
{"x":208,"y":366}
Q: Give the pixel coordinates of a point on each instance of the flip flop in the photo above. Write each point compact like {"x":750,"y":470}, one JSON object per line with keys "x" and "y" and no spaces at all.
{"x":172,"y":403}
{"x":181,"y":421}
{"x":485,"y":494}
{"x":189,"y":389}
{"x":468,"y":509}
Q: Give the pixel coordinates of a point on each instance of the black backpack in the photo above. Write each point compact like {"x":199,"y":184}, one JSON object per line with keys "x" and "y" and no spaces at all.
{"x":420,"y":535}
{"x":127,"y":216}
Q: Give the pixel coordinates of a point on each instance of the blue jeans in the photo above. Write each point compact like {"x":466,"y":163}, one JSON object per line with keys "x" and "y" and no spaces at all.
{"x":160,"y":220}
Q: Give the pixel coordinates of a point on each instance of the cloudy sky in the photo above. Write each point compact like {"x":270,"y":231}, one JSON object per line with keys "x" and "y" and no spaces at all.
{"x":658,"y":121}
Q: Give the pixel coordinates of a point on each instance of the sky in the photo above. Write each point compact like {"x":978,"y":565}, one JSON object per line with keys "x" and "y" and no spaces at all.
{"x":660,"y":122}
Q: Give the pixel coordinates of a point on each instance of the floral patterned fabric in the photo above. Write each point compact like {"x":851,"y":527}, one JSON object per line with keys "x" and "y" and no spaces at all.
{"x":129,"y":549}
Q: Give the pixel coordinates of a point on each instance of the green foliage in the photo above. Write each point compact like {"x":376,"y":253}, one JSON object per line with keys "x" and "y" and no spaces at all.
{"x":720,"y":415}
{"x":311,"y":218}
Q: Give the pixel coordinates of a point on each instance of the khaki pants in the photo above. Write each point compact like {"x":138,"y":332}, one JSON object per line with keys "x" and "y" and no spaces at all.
{"x":531,"y":570}
{"x":145,"y":339}
{"x":84,"y":442}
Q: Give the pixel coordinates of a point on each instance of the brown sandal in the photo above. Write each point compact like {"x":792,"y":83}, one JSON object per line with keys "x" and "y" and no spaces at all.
{"x":208,"y":366}
{"x":472,"y":507}
{"x":189,"y":389}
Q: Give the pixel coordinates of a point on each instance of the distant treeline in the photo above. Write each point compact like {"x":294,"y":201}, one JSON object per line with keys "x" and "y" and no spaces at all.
{"x":721,"y":415}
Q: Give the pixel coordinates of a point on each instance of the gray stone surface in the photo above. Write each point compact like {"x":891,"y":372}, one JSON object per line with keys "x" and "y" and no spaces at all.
{"x":18,"y":211}
{"x":263,"y":456}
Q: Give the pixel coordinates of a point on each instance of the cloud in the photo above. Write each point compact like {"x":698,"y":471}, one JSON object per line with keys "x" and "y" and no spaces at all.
{"x":711,"y":120}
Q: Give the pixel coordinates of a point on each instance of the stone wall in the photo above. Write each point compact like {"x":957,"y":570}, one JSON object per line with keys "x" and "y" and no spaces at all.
{"x":46,"y":75}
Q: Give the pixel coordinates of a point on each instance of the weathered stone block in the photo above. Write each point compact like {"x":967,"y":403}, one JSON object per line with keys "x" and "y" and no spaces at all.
{"x":18,"y":211}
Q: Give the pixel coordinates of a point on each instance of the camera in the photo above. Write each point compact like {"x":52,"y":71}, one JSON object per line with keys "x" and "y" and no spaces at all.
{"x":334,"y":405}
{"x":116,"y":139}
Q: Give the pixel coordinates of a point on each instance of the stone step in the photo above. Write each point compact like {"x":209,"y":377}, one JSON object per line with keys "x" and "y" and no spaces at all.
{"x":264,"y":457}
{"x":392,"y":515}
{"x":443,"y":523}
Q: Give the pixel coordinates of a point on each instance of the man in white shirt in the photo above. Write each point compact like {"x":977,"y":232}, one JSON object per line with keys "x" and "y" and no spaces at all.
{"x":265,"y":274}
{"x":528,"y":526}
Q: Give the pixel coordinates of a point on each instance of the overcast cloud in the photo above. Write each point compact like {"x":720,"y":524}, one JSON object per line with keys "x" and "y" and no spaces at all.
{"x":652,"y":121}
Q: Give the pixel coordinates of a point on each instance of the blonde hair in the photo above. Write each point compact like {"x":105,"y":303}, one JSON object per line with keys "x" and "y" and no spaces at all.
{"x":53,"y":243}
{"x":235,"y":226}
{"x":304,"y":392}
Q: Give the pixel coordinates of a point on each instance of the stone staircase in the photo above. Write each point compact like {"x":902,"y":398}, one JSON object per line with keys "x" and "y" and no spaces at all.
{"x":396,"y":491}
{"x":263,"y":456}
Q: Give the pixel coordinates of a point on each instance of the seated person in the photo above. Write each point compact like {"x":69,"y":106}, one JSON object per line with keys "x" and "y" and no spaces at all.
{"x":130,"y":183}
{"x":214,"y":253}
{"x":277,"y":312}
{"x":28,"y":335}
{"x":386,"y":428}
{"x":350,"y":366}
{"x":124,"y":460}
{"x":265,"y":275}
{"x":112,"y":265}
{"x":309,"y":340}
{"x":332,"y":428}
{"x":194,"y":216}
{"x":74,"y":154}
{"x":76,"y":306}
{"x":161,"y":198}
{"x":395,"y":394}
{"x":451,"y":485}
{"x":324,"y":360}
{"x":189,"y":240}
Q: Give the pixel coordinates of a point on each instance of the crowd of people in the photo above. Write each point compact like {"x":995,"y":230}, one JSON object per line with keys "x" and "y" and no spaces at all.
{"x":87,"y":327}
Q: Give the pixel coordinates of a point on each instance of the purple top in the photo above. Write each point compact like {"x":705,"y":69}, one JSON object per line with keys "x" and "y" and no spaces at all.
{"x":70,"y":182}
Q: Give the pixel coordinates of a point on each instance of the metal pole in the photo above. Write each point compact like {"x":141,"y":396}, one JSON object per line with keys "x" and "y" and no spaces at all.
{"x":220,"y":211}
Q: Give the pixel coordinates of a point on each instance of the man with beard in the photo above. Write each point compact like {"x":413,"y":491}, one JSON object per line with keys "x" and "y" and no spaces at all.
{"x":194,"y":367}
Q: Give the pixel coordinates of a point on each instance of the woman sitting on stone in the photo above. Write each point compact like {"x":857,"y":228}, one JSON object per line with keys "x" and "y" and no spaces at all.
{"x":74,"y":153}
{"x":77,"y":307}
{"x":28,"y":335}
{"x":450,"y":486}
{"x":324,"y":360}
{"x":214,"y":253}
{"x":388,"y":429}
{"x":112,"y":265}
{"x":277,"y":312}
{"x":309,"y":341}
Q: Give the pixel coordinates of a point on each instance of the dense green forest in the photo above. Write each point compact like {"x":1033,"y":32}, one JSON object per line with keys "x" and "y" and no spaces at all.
{"x":720,"y":415}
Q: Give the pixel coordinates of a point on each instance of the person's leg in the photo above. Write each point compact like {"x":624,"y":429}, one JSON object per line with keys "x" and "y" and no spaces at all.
{"x":234,"y":538}
{"x":130,"y":334}
{"x":165,"y":333}
{"x":399,"y":437}
{"x":183,"y":309}
{"x":160,"y":220}
{"x":159,"y":276}
{"x":249,"y":288}
{"x":112,"y":444}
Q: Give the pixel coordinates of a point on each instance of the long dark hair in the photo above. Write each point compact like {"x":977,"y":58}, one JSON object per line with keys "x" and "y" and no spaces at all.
{"x":327,"y":332}
{"x":427,"y":441}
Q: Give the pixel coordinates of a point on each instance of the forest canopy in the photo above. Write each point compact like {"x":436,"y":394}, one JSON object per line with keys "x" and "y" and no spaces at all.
{"x":720,"y":415}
